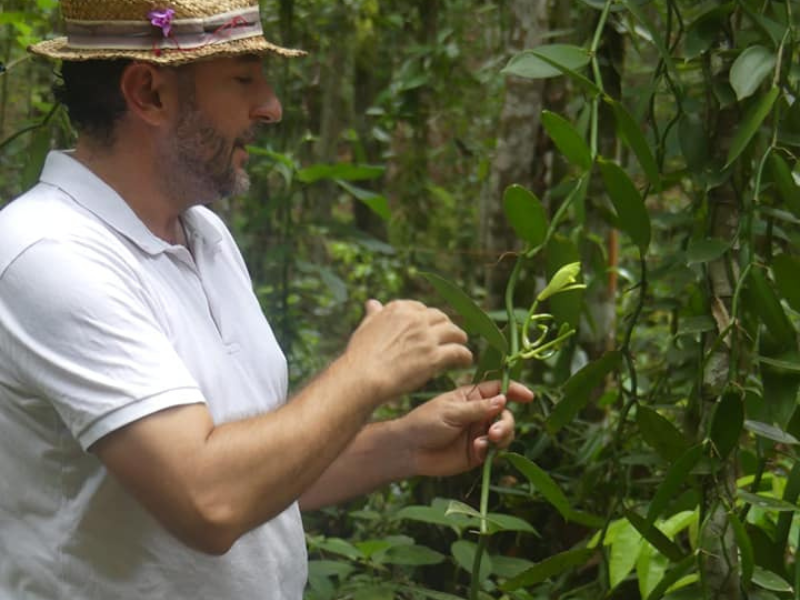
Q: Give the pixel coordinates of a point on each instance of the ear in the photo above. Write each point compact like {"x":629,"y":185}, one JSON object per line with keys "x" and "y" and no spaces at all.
{"x":149,"y":92}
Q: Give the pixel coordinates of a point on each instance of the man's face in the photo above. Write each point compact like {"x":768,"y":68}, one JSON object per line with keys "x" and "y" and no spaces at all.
{"x":220,"y":103}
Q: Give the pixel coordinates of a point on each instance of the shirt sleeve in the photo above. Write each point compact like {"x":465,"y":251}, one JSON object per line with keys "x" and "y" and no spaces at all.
{"x":79,"y":330}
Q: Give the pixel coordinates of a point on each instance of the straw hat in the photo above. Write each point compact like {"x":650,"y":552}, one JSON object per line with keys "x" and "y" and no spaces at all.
{"x":159,"y":31}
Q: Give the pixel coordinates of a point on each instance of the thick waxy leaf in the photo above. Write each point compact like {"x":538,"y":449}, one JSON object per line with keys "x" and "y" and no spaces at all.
{"x":624,"y":552}
{"x":476,"y":321}
{"x":499,"y":522}
{"x":660,"y":433}
{"x":531,"y":63}
{"x":631,"y":212}
{"x":540,"y":480}
{"x":786,"y":270}
{"x":706,"y":250}
{"x":788,"y":366}
{"x":579,"y":388}
{"x":752,"y":121}
{"x":767,"y":502}
{"x":526,"y":215}
{"x":464,"y":555}
{"x":750,"y":69}
{"x":727,"y":424}
{"x":567,"y":140}
{"x":549,"y":567}
{"x":654,"y":535}
{"x":632,"y":134}
{"x":746,"y":556}
{"x":790,"y":494}
{"x":770,"y":432}
{"x":787,"y":187}
{"x":765,"y":303}
{"x":770,"y":581}
{"x":343,"y":171}
{"x":676,"y":476}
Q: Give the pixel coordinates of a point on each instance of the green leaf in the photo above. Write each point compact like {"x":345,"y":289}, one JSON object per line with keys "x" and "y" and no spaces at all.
{"x":706,"y":250}
{"x":578,"y":390}
{"x":770,"y":432}
{"x":786,"y":270}
{"x":752,"y":121}
{"x":746,"y":556}
{"x":727,"y":424}
{"x":631,"y":212}
{"x":787,"y":187}
{"x":655,"y":536}
{"x":342,"y":171}
{"x":624,"y":552}
{"x":531,"y":64}
{"x":631,"y":134}
{"x":672,"y":577}
{"x":541,"y":481}
{"x":476,"y":321}
{"x":677,"y":474}
{"x":767,"y":503}
{"x":377,"y":203}
{"x":567,"y":140}
{"x":660,"y":434}
{"x":412,"y":555}
{"x":340,"y":547}
{"x":790,"y":494}
{"x":763,"y":300}
{"x":498,"y":522}
{"x":770,"y":581}
{"x":459,"y":508}
{"x":549,"y":567}
{"x":464,"y":555}
{"x":526,"y":215}
{"x":750,"y":69}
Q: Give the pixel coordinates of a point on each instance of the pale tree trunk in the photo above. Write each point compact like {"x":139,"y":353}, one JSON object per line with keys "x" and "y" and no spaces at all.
{"x":516,"y":146}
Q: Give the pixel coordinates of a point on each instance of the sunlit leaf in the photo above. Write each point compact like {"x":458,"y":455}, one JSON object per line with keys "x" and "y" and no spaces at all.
{"x":623,"y":554}
{"x":767,"y":503}
{"x":377,"y":203}
{"x":672,"y":576}
{"x":655,"y":536}
{"x":750,"y":69}
{"x":343,"y":171}
{"x":770,"y":432}
{"x":476,"y":321}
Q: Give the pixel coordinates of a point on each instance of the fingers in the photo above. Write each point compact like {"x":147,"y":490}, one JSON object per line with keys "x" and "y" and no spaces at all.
{"x":485,"y":389}
{"x":372,"y":307}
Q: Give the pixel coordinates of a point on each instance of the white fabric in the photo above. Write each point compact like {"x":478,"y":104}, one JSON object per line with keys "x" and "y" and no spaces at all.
{"x":101,"y":324}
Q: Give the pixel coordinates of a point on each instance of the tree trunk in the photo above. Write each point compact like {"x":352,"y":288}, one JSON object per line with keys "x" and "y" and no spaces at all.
{"x":516,"y":146}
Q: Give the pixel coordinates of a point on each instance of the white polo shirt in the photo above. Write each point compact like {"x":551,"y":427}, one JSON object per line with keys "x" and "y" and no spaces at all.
{"x":101,"y":324}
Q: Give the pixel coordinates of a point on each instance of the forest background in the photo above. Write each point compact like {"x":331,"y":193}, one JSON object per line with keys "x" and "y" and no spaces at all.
{"x":460,"y":152}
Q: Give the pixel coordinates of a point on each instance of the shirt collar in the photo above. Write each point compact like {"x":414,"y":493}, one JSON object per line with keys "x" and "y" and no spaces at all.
{"x":95,"y":195}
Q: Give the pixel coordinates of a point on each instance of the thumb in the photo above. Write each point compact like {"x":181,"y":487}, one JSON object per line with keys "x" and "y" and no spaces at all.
{"x":373,"y":306}
{"x":477,"y":411}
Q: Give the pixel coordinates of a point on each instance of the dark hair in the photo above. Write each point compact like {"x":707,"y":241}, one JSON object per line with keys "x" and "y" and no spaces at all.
{"x":90,"y":91}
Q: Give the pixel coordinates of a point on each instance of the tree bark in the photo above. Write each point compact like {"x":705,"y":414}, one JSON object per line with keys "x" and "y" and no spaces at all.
{"x":516,"y":155}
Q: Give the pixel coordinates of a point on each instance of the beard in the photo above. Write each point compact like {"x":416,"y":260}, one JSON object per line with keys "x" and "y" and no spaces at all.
{"x":196,"y":160}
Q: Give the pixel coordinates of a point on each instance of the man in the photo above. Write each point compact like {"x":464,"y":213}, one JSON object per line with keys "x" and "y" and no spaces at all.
{"x":146,"y":446}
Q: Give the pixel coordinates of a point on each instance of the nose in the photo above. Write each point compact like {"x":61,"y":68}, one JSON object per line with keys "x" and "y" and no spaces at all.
{"x":269,"y":109}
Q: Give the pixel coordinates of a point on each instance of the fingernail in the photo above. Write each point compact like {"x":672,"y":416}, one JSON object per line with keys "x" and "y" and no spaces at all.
{"x":497,"y":428}
{"x":497,"y":402}
{"x":483,"y":442}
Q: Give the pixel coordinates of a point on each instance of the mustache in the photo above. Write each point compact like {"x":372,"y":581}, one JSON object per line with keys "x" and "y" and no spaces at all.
{"x":246,"y":139}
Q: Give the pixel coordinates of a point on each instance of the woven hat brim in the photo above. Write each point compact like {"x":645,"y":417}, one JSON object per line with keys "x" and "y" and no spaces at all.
{"x":59,"y":49}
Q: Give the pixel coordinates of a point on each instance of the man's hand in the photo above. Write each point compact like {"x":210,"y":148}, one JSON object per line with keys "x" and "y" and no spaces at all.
{"x":399,"y":347}
{"x":451,"y":433}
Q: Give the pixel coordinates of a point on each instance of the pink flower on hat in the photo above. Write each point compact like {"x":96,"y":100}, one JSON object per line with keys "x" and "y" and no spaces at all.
{"x":162,"y":19}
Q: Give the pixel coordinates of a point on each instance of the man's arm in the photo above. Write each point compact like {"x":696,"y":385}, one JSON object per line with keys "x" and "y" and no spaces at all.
{"x":211,"y":484}
{"x":449,"y":434}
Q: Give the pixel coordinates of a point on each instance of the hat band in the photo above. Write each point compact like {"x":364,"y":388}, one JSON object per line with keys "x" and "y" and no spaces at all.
{"x":186,"y":34}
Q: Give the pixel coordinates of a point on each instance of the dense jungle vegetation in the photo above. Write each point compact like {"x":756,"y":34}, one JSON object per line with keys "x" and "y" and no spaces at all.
{"x":461,"y":152}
